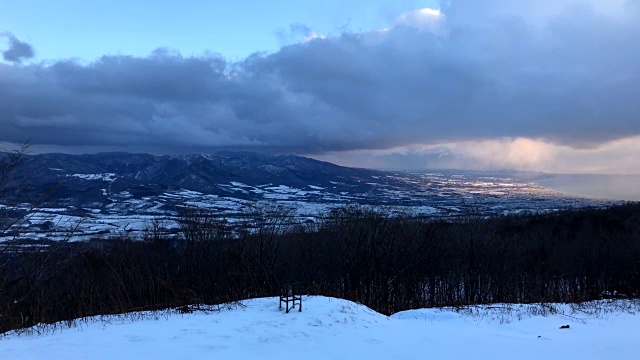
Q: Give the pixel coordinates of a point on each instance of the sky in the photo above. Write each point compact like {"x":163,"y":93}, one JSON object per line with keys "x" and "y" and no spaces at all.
{"x":545,"y":85}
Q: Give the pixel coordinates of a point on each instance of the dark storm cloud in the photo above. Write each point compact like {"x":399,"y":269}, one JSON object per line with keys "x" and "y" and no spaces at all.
{"x":570,"y":75}
{"x":17,"y":51}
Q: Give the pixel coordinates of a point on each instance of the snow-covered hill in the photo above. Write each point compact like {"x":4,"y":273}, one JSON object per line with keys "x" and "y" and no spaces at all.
{"x":331,"y":328}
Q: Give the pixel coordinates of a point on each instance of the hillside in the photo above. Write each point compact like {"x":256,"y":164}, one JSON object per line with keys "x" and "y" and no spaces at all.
{"x":330,"y":328}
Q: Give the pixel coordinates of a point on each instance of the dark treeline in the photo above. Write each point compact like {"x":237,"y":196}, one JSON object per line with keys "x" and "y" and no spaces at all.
{"x":385,"y":262}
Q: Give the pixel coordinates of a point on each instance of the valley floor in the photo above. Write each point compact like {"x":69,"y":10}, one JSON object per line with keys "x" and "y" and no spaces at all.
{"x":331,"y":328}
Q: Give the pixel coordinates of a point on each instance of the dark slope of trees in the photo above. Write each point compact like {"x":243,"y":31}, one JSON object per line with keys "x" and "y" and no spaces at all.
{"x":389,"y":264}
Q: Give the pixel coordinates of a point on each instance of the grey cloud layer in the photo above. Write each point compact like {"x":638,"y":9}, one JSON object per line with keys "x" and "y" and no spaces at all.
{"x":573,"y":78}
{"x":17,"y":51}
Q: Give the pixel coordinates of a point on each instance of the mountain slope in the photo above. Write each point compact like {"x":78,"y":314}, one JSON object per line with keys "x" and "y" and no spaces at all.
{"x":150,"y":175}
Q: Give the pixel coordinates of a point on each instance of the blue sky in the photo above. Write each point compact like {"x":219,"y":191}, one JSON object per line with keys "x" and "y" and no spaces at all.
{"x":89,"y":29}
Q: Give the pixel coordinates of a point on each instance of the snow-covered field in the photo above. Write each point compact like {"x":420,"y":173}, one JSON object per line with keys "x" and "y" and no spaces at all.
{"x":102,"y":211}
{"x":337,"y":329}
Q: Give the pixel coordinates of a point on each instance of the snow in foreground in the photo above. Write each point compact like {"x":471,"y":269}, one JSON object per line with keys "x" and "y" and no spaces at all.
{"x":331,"y":328}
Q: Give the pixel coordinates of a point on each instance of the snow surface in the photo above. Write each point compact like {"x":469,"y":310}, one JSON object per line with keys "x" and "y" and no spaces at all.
{"x":331,"y":328}
{"x":109,"y":177}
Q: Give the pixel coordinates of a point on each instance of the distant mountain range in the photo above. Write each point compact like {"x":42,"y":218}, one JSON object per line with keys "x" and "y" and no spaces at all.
{"x":83,"y":177}
{"x":111,"y":191}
